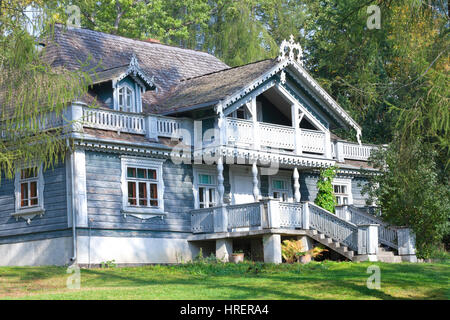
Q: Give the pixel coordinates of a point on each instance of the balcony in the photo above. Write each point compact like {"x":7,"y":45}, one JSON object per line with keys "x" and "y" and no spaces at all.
{"x":237,"y":132}
{"x":244,"y":133}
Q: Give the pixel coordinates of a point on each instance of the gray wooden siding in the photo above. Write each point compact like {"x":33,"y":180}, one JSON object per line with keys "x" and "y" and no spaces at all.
{"x":104,"y":196}
{"x":55,"y":205}
{"x":357,"y":185}
{"x":308,"y":186}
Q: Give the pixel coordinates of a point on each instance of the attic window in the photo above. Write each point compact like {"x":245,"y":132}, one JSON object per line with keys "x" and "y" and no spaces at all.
{"x":126,"y":99}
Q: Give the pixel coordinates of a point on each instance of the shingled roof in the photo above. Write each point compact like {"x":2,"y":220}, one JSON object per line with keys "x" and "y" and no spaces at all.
{"x":168,"y":64}
{"x":212,"y":87}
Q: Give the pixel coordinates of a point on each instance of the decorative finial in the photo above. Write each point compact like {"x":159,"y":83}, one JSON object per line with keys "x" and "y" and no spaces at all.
{"x":134,"y":62}
{"x":288,"y":50}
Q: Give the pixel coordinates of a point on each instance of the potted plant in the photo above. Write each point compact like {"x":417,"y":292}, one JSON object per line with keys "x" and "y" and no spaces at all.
{"x":237,"y":256}
{"x":306,"y":256}
{"x":290,"y":249}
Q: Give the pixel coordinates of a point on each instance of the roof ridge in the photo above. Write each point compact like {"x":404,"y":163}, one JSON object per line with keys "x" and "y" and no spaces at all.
{"x":226,"y":69}
{"x":138,"y":40}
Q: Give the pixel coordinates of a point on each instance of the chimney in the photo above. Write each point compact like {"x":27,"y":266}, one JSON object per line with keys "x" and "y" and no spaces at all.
{"x":151,"y":40}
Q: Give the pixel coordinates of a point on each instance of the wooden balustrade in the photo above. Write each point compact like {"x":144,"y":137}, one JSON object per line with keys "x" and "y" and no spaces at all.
{"x":386,"y":234}
{"x":332,"y":226}
{"x":244,"y":215}
{"x":290,"y":215}
{"x":312,"y":141}
{"x":113,"y":120}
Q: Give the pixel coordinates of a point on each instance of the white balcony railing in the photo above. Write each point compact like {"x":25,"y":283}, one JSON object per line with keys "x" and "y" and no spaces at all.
{"x":276,"y":136}
{"x":312,"y":141}
{"x":151,"y":125}
{"x":113,"y":120}
{"x":342,"y":150}
{"x":242,"y":132}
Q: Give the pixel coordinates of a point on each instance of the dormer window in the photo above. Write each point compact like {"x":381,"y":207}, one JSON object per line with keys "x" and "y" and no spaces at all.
{"x":126,"y":99}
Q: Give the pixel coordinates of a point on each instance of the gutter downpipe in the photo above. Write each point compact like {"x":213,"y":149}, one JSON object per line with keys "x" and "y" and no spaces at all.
{"x":74,"y":218}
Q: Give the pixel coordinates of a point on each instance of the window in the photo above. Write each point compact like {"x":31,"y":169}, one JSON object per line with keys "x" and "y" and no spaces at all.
{"x":125,"y":99}
{"x":280,"y":189}
{"x":205,"y":187}
{"x":142,"y":185}
{"x":342,"y":192}
{"x":206,"y":191}
{"x":29,"y":192}
{"x":29,"y":187}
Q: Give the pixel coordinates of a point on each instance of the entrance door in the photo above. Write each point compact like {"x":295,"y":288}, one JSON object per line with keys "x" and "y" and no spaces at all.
{"x":242,"y":187}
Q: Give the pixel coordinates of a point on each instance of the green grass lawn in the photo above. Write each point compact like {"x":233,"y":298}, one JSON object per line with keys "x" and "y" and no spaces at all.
{"x":317,"y":280}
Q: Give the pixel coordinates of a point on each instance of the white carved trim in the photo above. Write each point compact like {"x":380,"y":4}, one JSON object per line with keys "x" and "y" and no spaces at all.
{"x":348,"y":184}
{"x":291,"y":50}
{"x":140,"y":212}
{"x":79,"y":196}
{"x":29,"y":213}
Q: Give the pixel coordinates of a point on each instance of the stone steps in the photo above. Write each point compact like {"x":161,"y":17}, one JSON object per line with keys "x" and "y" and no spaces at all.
{"x":383,"y":255}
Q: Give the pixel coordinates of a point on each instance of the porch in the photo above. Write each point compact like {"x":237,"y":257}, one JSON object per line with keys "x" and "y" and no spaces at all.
{"x":351,"y":233}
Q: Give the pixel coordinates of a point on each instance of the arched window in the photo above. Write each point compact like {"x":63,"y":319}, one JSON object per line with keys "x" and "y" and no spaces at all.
{"x":126,"y":100}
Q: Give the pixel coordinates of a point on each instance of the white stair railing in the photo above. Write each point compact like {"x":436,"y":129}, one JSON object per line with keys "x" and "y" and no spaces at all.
{"x":387,"y":235}
{"x":332,"y":226}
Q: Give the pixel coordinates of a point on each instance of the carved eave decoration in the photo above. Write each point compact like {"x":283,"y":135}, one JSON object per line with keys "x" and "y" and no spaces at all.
{"x":138,"y":74}
{"x":291,"y":54}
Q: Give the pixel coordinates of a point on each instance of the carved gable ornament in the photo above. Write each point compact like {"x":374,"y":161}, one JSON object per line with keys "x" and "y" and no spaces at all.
{"x":290,"y":50}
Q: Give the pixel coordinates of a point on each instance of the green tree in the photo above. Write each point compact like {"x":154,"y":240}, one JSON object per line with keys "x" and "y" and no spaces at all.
{"x":412,"y":192}
{"x":31,"y":89}
{"x":325,"y":196}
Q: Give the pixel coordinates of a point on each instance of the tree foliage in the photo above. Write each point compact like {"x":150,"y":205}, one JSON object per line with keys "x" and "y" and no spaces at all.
{"x":413,"y":192}
{"x":31,"y":89}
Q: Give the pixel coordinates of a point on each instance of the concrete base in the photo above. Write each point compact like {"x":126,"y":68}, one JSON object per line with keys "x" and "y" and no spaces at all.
{"x":307,"y":242}
{"x":409,"y":258}
{"x":56,"y":251}
{"x":272,"y":248}
{"x":224,"y":249}
{"x":366,"y":257}
{"x":127,"y":250}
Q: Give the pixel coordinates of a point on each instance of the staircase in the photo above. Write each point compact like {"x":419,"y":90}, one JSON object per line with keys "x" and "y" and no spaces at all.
{"x":343,"y":250}
{"x":386,"y":255}
{"x":349,"y":238}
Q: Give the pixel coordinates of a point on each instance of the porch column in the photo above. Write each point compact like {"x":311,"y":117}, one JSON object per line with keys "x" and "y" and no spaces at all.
{"x":256,"y":137}
{"x":296,"y":177}
{"x":220,"y":180}
{"x":255,"y":181}
{"x":272,"y":248}
{"x":296,"y":118}
{"x":224,"y":249}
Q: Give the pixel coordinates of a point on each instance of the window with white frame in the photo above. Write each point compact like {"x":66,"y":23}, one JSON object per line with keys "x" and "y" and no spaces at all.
{"x":29,"y":188}
{"x":205,"y":187}
{"x":280,"y":189}
{"x":342,"y":191}
{"x":125,"y":99}
{"x":142,"y":185}
{"x":206,"y":190}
